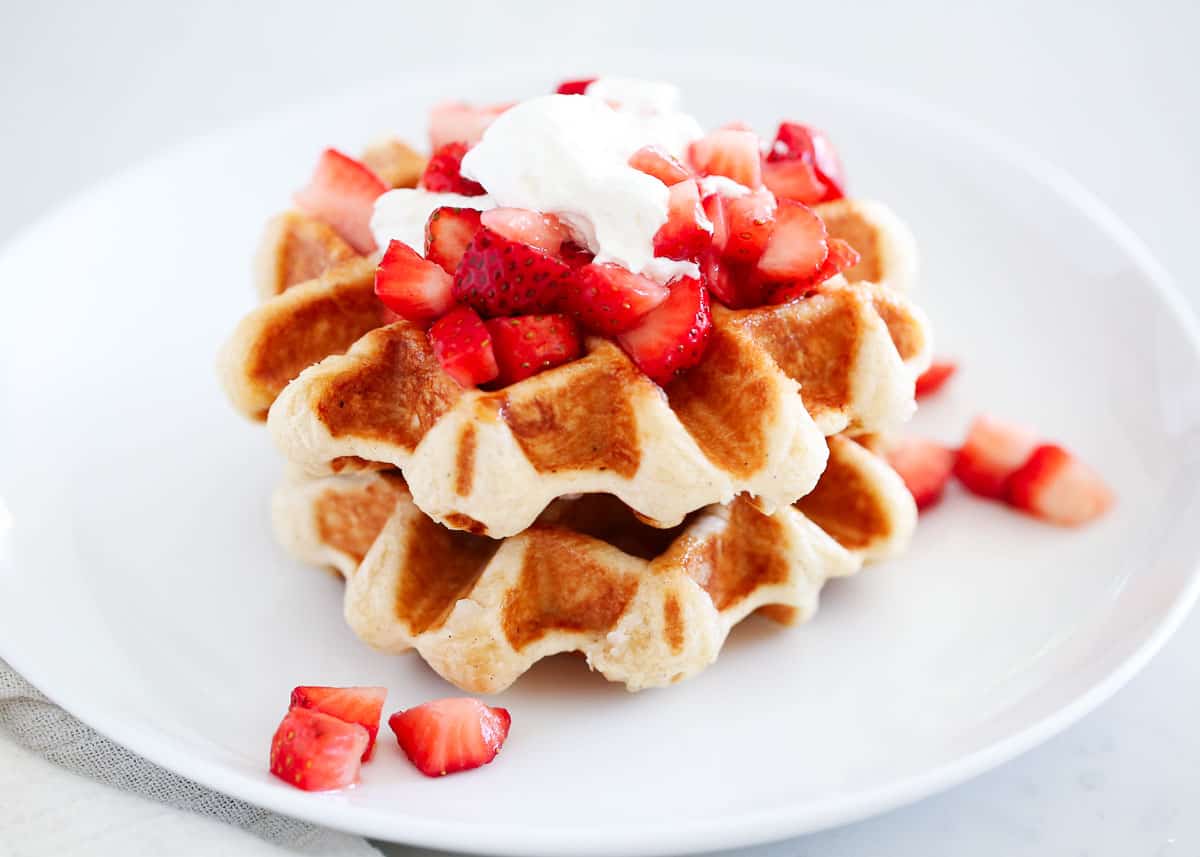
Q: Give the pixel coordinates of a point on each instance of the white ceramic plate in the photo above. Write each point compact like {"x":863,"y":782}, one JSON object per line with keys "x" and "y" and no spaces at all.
{"x":140,"y":588}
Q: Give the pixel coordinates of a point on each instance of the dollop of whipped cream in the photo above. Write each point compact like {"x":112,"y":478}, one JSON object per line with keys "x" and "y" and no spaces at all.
{"x":402,"y":213}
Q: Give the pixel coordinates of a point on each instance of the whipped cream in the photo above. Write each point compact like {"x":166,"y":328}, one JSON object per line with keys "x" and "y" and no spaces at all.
{"x":653,"y":106}
{"x":403,"y":212}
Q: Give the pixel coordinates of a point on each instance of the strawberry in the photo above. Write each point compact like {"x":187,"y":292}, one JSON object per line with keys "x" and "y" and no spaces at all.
{"x":449,"y":735}
{"x":751,"y":219}
{"x":992,"y":452}
{"x":529,"y":344}
{"x":1057,"y":487}
{"x":808,"y":145}
{"x":575,"y":87}
{"x":317,"y":752}
{"x":342,"y":193}
{"x":794,"y":180}
{"x":574,"y":255}
{"x":840,"y":258}
{"x":464,"y":348}
{"x":796,"y":246}
{"x":654,"y":161}
{"x":672,"y":337}
{"x":447,"y":234}
{"x":414,"y":288}
{"x":715,"y":210}
{"x":610,"y":299}
{"x":933,"y":378}
{"x":455,"y":122}
{"x":687,"y":232}
{"x":361,"y":705}
{"x":443,"y":173}
{"x":543,"y":231}
{"x":924,"y":466}
{"x":730,"y":153}
{"x":501,"y":277}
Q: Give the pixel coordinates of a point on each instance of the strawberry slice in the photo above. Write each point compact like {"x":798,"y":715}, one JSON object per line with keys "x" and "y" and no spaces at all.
{"x":413,"y":288}
{"x":795,"y":142}
{"x":499,"y":277}
{"x":687,"y":232}
{"x":443,"y":173}
{"x":361,"y":705}
{"x":655,"y":161}
{"x":342,"y":194}
{"x":1057,"y":487}
{"x":610,"y":299}
{"x":728,"y":152}
{"x":447,"y":234}
{"x":714,"y":209}
{"x":575,"y":87}
{"x":543,"y":231}
{"x":464,"y":348}
{"x":751,"y":219}
{"x":936,"y":376}
{"x":317,"y":752}
{"x":991,"y":454}
{"x":795,"y":180}
{"x":456,"y":122}
{"x":449,"y":735}
{"x":841,"y":258}
{"x":673,"y":336}
{"x":924,"y":466}
{"x":529,"y":344}
{"x":797,"y":245}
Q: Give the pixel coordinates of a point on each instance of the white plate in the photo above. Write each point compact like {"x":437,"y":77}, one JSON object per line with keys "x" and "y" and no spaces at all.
{"x":140,"y":588}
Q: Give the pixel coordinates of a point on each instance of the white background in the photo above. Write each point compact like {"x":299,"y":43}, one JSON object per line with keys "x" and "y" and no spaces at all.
{"x":1108,"y":93}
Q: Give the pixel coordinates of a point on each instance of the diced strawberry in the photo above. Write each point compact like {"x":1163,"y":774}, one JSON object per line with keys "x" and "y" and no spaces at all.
{"x":654,"y":161}
{"x":795,"y":180}
{"x":447,"y":234}
{"x":456,"y":122}
{"x":449,"y":735}
{"x":841,"y":258}
{"x":575,"y":87}
{"x":687,"y":232}
{"x":797,"y":245}
{"x":529,"y":344}
{"x":361,"y":705}
{"x":609,"y":299}
{"x":796,"y":142}
{"x":750,"y":221}
{"x":574,"y":255}
{"x":464,"y":348}
{"x":500,"y":277}
{"x":543,"y":231}
{"x":714,"y":209}
{"x":342,"y":193}
{"x":317,"y":752}
{"x":935,"y":377}
{"x":673,"y":336}
{"x":992,"y":452}
{"x":414,"y":288}
{"x":443,"y":173}
{"x":388,"y":316}
{"x":730,"y":153}
{"x":924,"y":466}
{"x":1057,"y":487}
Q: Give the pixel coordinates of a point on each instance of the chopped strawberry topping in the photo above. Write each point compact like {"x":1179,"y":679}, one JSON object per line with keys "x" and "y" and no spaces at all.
{"x":463,"y":347}
{"x":654,"y":161}
{"x":529,"y":344}
{"x":750,"y":221}
{"x":317,"y":752}
{"x":1057,"y":487}
{"x":455,"y":122}
{"x":443,"y":173}
{"x":450,"y":735}
{"x":841,"y":258}
{"x":673,"y":336}
{"x":807,"y":145}
{"x":687,"y":232}
{"x":935,"y":377}
{"x":575,"y":87}
{"x":797,"y":246}
{"x":342,"y":193}
{"x":543,"y":231}
{"x":730,"y":153}
{"x":414,"y":288}
{"x":499,"y":277}
{"x":447,"y":234}
{"x":361,"y":705}
{"x":924,"y":466}
{"x":609,"y":299}
{"x":992,"y":453}
{"x":794,"y":180}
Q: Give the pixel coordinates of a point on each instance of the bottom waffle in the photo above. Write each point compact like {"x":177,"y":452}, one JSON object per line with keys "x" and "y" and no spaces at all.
{"x":647,"y":607}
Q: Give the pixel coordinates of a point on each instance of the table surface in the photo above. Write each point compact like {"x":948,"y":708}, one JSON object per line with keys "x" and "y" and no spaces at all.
{"x":1108,"y":94}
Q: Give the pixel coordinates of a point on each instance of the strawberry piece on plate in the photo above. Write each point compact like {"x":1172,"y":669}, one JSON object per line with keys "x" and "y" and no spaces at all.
{"x":443,"y":173}
{"x":794,"y":180}
{"x":993,"y":452}
{"x":805,"y":144}
{"x":450,"y":735}
{"x":688,"y":231}
{"x":1057,"y":487}
{"x":609,"y":299}
{"x":413,"y":288}
{"x":342,"y":194}
{"x":456,"y":122}
{"x":797,"y":245}
{"x":463,"y":347}
{"x":543,"y":231}
{"x":361,"y":705}
{"x":750,"y":219}
{"x":317,"y":752}
{"x":730,"y":153}
{"x":447,"y":234}
{"x":935,"y":377}
{"x":841,"y":258}
{"x":575,"y":87}
{"x":654,"y":161}
{"x":924,"y":466}
{"x":499,"y":277}
{"x":528,"y":344}
{"x":673,"y":336}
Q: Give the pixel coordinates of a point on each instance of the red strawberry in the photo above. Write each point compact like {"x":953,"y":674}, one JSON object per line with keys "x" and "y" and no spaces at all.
{"x":610,"y":299}
{"x":464,"y":348}
{"x":715,"y":210}
{"x":317,"y":752}
{"x":807,"y":145}
{"x":501,"y":277}
{"x":992,"y":452}
{"x":924,"y":466}
{"x":543,"y":231}
{"x":794,"y":180}
{"x":841,"y":257}
{"x":730,"y":153}
{"x":654,"y":161}
{"x":751,"y":219}
{"x":412,"y":287}
{"x":529,"y":344}
{"x":443,"y":173}
{"x":687,"y":232}
{"x":574,"y":255}
{"x":361,"y":705}
{"x":1057,"y":487}
{"x":575,"y":87}
{"x":342,"y":193}
{"x":449,"y":735}
{"x":797,"y":245}
{"x":673,"y":336}
{"x":933,"y":378}
{"x":447,"y":234}
{"x":455,"y":122}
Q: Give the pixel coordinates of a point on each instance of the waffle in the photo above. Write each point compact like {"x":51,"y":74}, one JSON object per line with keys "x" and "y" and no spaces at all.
{"x":647,"y":607}
{"x":887,"y":246}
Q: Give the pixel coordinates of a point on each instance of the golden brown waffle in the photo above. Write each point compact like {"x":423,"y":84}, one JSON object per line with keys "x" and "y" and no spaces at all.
{"x":883,"y":240}
{"x":647,"y":607}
